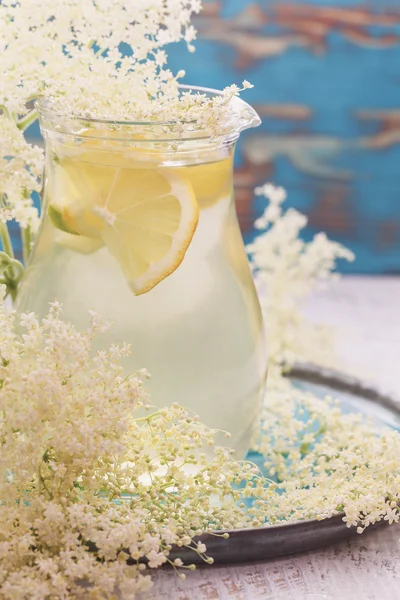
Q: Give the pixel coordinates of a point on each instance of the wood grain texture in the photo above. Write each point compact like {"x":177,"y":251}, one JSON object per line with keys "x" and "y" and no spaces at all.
{"x":365,"y":312}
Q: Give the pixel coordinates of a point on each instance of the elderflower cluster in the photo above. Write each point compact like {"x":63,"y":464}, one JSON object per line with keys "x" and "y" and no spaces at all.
{"x":287,"y":270}
{"x":98,"y":488}
{"x":21,"y":167}
{"x":322,"y":462}
{"x":92,"y":484}
{"x":103,"y":60}
{"x":74,"y":47}
{"x":325,"y":463}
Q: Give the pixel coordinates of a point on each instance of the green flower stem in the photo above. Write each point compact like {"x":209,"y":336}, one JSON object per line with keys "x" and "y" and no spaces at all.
{"x":11,"y":270}
{"x":5,"y":111}
{"x":26,"y":121}
{"x":6,"y":240}
{"x":147,"y":418}
{"x":26,"y":243}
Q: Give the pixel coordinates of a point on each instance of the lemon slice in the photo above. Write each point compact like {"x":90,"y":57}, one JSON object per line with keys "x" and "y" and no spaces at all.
{"x":59,"y":216}
{"x":146,"y":216}
{"x":211,"y":181}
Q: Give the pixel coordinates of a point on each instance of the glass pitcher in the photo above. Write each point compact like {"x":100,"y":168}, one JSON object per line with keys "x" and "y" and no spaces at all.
{"x":139,"y":224}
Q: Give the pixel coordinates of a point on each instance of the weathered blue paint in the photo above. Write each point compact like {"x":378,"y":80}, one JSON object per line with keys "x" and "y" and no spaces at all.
{"x":327,"y":83}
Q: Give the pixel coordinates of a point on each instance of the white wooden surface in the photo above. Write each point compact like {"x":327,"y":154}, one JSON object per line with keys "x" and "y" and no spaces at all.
{"x":366,"y":314}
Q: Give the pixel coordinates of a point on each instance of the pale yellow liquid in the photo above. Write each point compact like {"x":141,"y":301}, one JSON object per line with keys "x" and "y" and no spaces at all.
{"x":198,"y":332}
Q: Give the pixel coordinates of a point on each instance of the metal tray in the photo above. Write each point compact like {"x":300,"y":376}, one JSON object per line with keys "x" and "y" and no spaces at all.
{"x":298,"y":536}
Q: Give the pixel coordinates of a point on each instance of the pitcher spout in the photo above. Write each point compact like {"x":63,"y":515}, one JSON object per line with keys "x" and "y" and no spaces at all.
{"x":247,"y":116}
{"x":239,"y":115}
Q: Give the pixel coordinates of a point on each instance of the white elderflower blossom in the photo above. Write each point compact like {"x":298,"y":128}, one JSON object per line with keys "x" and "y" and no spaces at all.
{"x":90,"y":486}
{"x":21,"y":166}
{"x":70,"y":53}
{"x":46,"y":44}
{"x":326,"y":463}
{"x":287,"y":270}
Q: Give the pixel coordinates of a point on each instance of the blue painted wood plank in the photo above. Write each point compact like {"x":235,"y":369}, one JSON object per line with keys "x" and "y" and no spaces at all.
{"x":327,"y":84}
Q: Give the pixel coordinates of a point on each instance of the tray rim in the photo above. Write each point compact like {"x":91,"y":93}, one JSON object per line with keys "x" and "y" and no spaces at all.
{"x":317,"y":532}
{"x":342,"y":382}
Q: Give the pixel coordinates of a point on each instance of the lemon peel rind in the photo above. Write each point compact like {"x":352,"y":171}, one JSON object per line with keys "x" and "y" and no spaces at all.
{"x":188,"y":225}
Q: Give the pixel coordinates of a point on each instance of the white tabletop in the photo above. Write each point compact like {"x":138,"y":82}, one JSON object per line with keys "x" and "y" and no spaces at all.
{"x":365,"y":313}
